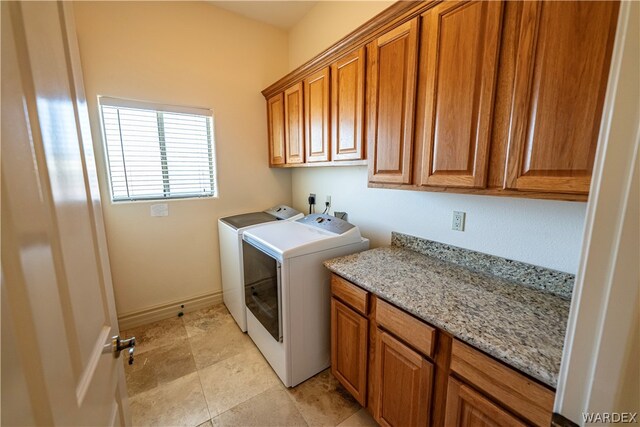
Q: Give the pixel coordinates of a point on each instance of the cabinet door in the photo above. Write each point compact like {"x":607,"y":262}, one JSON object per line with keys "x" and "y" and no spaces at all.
{"x":460,"y":42}
{"x":275,"y":122}
{"x":316,"y":116}
{"x":391,"y":80}
{"x":404,"y":384}
{"x":467,"y":408}
{"x":347,"y":106}
{"x":293,"y":124}
{"x":561,"y":72}
{"x":349,"y":335}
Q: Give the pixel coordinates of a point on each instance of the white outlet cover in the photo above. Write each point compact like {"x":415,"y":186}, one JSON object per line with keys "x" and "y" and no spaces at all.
{"x":458,"y":221}
{"x":161,"y":209}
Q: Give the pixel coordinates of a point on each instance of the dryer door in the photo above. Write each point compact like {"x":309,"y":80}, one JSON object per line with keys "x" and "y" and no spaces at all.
{"x":262,"y":288}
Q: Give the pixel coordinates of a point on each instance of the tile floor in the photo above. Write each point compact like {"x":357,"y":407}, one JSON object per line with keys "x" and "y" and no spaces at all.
{"x":201,"y":370}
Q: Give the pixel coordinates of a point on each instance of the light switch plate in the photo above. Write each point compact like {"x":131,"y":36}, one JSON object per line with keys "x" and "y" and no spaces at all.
{"x":161,"y":209}
{"x":458,"y":221}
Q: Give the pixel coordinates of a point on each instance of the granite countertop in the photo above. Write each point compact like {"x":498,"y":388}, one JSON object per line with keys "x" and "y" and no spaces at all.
{"x":519,"y":324}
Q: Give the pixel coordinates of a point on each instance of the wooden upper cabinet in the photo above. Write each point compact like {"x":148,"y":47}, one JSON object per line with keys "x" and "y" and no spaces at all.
{"x":316,"y":116}
{"x":460,"y":47}
{"x":404,"y":384}
{"x":391,"y":90}
{"x":294,"y":124}
{"x":275,"y":123}
{"x":561,"y":72}
{"x":468,"y":408}
{"x":347,"y":106}
{"x":349,"y":335}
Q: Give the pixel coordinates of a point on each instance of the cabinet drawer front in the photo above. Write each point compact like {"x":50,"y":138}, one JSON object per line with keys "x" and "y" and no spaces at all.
{"x":522,"y":395}
{"x":349,"y":336}
{"x":351,"y":294}
{"x":418,"y":334}
{"x":466,"y":407}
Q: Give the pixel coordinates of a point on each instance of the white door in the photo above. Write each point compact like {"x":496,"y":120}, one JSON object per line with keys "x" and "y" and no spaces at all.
{"x":58,"y":312}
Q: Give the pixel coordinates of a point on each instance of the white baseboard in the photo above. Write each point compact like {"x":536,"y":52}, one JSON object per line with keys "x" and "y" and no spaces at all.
{"x":167,"y":310}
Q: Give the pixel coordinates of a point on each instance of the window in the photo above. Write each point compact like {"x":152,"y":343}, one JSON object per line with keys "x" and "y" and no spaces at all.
{"x":158,"y":152}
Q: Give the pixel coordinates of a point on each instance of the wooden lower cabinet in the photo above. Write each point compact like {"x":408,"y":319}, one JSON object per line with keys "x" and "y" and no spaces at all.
{"x":408,"y":373}
{"x":468,"y":408}
{"x":404,"y":384}
{"x":349,"y":335}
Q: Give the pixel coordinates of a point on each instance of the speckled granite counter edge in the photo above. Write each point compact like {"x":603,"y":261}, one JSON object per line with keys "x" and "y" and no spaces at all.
{"x":556,"y":282}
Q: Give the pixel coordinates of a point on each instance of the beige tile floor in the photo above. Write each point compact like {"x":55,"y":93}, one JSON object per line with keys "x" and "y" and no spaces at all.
{"x":201,"y":370}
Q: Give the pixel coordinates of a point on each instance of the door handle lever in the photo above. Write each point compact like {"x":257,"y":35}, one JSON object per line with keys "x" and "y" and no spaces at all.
{"x":122,"y":344}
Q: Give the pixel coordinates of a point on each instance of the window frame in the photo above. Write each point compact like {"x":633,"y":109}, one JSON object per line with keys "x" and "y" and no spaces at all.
{"x":144,"y":105}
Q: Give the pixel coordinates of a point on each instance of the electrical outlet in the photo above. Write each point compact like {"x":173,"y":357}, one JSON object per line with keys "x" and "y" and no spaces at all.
{"x":312,"y":198}
{"x":458,"y":221}
{"x":328,"y":203}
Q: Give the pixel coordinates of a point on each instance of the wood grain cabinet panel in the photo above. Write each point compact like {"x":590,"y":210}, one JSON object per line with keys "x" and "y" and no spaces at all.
{"x":353,"y":296}
{"x":391,"y":83}
{"x":316,"y":116}
{"x":275,"y":123}
{"x":349,"y":335}
{"x":521,"y":395}
{"x":413,"y":331}
{"x":404,"y":384}
{"x":347,"y":106}
{"x":468,"y":408}
{"x":562,"y":66}
{"x":294,"y":124}
{"x":460,"y":42}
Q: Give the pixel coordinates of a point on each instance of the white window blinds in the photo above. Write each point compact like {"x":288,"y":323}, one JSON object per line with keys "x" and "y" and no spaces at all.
{"x":158,"y":152}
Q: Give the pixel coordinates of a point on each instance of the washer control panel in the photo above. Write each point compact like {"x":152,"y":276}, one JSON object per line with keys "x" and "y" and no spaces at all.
{"x":282,"y":212}
{"x":327,"y":222}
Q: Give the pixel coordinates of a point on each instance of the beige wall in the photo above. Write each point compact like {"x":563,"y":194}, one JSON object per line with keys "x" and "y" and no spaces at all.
{"x":327,"y":23}
{"x":194,"y":54}
{"x":544,"y":233}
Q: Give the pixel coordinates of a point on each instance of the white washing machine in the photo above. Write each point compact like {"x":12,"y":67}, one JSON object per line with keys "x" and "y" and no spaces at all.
{"x":287,"y":290}
{"x":230,"y":231}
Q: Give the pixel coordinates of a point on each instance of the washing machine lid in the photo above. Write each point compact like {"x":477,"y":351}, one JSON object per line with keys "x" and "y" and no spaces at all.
{"x":248,"y":219}
{"x":279,"y":212}
{"x":295,"y":238}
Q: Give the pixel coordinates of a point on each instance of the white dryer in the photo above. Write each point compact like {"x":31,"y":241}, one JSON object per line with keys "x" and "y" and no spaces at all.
{"x":230,"y":231}
{"x":287,"y":290}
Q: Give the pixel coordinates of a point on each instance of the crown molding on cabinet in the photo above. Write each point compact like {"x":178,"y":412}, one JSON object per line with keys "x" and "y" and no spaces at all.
{"x":393,"y":16}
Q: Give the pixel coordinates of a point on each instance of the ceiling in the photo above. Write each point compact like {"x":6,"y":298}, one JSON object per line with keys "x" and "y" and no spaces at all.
{"x":282,"y":14}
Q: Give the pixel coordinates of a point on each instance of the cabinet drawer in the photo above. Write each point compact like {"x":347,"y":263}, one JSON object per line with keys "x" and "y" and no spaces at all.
{"x":520,"y":394}
{"x":403,"y":325}
{"x":357,"y":298}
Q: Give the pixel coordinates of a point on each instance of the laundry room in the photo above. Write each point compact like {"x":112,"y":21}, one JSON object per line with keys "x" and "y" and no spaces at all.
{"x":305,"y":213}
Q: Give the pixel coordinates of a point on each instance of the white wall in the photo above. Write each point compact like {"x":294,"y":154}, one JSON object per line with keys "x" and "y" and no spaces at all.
{"x":193,"y":54}
{"x":545,"y":233}
{"x":326,"y":23}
